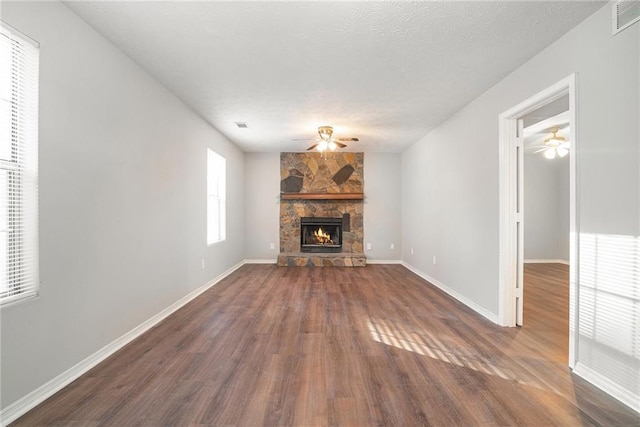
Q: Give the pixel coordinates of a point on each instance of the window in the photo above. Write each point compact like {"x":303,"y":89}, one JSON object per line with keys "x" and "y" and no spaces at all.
{"x":216,"y":197}
{"x":18,"y":166}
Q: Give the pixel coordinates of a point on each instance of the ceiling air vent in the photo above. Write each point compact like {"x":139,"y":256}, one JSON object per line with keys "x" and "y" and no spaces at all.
{"x":625,"y":14}
{"x":241,"y":125}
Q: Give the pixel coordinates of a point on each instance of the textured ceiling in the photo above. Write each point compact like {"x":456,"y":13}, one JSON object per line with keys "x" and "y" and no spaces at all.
{"x":385,"y":72}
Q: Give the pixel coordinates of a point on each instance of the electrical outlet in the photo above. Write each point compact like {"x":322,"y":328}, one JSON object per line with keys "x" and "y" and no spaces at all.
{"x":434,"y":259}
{"x":411,"y":251}
{"x":273,"y":245}
{"x":202,"y":263}
{"x":393,"y":246}
{"x":368,"y":246}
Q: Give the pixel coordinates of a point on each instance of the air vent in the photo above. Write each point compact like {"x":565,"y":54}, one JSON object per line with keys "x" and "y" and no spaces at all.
{"x":625,"y":14}
{"x":241,"y":125}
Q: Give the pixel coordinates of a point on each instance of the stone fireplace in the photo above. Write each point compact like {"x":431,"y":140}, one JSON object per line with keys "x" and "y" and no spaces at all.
{"x":321,"y":190}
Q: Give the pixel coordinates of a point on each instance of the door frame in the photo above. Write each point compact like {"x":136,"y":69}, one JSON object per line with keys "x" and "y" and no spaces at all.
{"x":508,"y":263}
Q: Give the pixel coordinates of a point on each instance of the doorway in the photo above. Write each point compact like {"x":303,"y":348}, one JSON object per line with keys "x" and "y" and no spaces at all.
{"x":547,"y":153}
{"x":512,"y":205}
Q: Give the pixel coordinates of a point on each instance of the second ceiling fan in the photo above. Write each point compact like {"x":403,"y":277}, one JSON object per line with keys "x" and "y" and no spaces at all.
{"x":554,"y":145}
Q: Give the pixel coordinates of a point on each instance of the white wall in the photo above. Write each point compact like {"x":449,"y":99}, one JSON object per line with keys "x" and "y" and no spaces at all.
{"x":382,"y":206}
{"x":564,"y":203}
{"x":546,"y":208}
{"x":262,"y":202}
{"x":449,"y":207}
{"x":450,"y":194}
{"x":122,"y":201}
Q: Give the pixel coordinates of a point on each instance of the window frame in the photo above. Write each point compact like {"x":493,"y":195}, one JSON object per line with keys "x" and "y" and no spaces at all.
{"x":19,"y":262}
{"x":216,"y":195}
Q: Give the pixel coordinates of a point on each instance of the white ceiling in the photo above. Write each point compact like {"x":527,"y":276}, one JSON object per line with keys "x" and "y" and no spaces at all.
{"x":385,"y":72}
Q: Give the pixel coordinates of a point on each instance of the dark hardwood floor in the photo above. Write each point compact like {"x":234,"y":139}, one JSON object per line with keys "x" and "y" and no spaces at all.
{"x":341,"y":346}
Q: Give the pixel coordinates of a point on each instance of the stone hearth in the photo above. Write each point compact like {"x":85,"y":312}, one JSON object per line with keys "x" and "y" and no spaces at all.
{"x":321,"y":260}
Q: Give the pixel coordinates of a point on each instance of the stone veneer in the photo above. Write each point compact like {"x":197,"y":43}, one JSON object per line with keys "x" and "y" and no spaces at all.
{"x":331,"y":173}
{"x":322,"y":260}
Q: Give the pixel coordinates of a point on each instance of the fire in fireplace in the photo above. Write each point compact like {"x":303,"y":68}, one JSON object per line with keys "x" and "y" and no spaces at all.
{"x":321,"y":234}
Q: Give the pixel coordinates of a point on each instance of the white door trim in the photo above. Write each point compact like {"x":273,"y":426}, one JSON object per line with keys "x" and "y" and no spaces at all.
{"x":519,"y":175}
{"x":507,"y":264}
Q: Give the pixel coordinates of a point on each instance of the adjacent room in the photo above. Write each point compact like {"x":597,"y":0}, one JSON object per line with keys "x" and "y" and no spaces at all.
{"x":320,"y":213}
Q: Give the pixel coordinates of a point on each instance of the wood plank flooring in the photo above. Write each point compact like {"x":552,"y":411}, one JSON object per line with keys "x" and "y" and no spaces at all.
{"x":288,"y":346}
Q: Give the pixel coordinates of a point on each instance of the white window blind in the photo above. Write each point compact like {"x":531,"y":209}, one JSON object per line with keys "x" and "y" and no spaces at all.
{"x":19,"y":64}
{"x":216,"y":197}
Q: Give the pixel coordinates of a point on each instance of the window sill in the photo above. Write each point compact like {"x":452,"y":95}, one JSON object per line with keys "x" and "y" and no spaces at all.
{"x":216,"y":242}
{"x":19,"y":299}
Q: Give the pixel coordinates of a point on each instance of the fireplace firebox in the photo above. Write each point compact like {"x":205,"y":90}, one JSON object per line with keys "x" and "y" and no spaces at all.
{"x":321,"y":234}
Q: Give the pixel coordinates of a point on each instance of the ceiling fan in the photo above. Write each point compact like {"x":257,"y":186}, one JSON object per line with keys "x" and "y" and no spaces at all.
{"x":554,"y":146}
{"x":329,"y":141}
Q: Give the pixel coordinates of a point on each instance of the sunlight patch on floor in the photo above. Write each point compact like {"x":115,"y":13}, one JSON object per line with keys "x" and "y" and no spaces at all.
{"x":427,"y":344}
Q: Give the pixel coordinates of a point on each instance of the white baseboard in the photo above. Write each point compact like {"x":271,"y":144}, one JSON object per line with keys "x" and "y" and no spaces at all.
{"x":39,"y":395}
{"x":384,"y":261}
{"x":608,"y":386}
{"x":546,"y":261}
{"x":260,"y":261}
{"x":466,"y":301}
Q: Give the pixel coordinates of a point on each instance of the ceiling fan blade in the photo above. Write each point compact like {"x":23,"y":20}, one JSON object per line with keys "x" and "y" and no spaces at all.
{"x":340,"y":144}
{"x":540,"y":150}
{"x":348,"y":139}
{"x":304,"y":139}
{"x":312,"y":147}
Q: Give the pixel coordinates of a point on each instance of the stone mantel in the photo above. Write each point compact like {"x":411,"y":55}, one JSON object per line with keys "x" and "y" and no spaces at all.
{"x":321,"y":196}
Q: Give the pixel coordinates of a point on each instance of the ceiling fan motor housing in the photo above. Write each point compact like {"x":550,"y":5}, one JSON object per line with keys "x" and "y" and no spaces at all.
{"x":325,"y":132}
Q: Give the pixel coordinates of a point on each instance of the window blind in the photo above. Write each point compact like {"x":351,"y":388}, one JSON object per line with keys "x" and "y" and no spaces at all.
{"x":19,"y":67}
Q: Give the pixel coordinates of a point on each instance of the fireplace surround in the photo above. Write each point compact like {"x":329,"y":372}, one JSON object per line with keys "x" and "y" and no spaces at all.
{"x":316,"y":187}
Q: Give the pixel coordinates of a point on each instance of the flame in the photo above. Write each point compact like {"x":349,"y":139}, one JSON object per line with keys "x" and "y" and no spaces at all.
{"x":321,"y":236}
